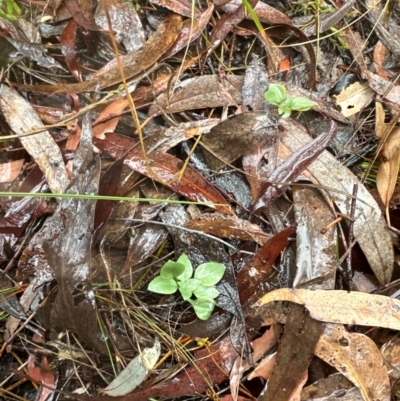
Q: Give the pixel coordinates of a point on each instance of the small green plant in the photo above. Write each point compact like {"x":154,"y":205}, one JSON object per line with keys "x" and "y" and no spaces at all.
{"x":9,"y":9}
{"x":276,"y":95}
{"x":177,"y":275}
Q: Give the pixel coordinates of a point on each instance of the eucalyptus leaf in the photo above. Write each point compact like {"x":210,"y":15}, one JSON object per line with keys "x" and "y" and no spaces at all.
{"x":209,"y":273}
{"x":275,"y":94}
{"x":172,"y":269}
{"x":188,"y":270}
{"x":162,"y":285}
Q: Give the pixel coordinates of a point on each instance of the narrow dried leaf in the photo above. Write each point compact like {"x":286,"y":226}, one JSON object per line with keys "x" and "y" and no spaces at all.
{"x":341,"y":306}
{"x":192,"y":184}
{"x":358,"y":358}
{"x":370,"y":227}
{"x":136,"y":371}
{"x":225,"y":226}
{"x":384,"y":87}
{"x":388,"y":170}
{"x":21,"y":117}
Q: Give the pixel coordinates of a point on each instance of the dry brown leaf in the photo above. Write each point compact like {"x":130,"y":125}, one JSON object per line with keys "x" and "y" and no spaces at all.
{"x":389,"y":155}
{"x":388,"y":170}
{"x":22,"y":117}
{"x":341,"y":306}
{"x":358,"y":358}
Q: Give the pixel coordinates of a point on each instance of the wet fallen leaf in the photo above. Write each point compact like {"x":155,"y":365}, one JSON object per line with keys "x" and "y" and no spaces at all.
{"x":190,"y":31}
{"x":125,"y":23}
{"x":341,"y":306}
{"x":369,"y":228}
{"x":358,"y":358}
{"x":295,"y":352}
{"x":21,"y":117}
{"x":136,"y":371}
{"x":230,"y":139}
{"x":133,"y":64}
{"x":250,"y":279}
{"x":197,"y":93}
{"x":67,"y":242}
{"x":225,"y":226}
{"x":68,"y":49}
{"x":384,"y":87}
{"x":81,"y":11}
{"x":292,"y":167}
{"x":192,"y":185}
{"x":316,"y":252}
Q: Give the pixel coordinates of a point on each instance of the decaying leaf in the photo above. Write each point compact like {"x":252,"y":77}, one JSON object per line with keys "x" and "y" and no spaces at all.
{"x":136,"y":371}
{"x":358,"y":358}
{"x":370,"y":227}
{"x":21,"y":117}
{"x":341,"y":306}
{"x":354,"y":98}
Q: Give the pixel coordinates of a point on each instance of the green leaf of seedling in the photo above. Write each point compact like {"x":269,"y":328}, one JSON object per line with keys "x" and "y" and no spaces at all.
{"x":203,"y":307}
{"x":209,"y":273}
{"x":284,"y":113}
{"x":301,"y":104}
{"x":162,"y":285}
{"x":209,"y":292}
{"x":275,"y":94}
{"x":185,"y":292}
{"x":188,"y":271}
{"x":172,"y":269}
{"x":191,"y":284}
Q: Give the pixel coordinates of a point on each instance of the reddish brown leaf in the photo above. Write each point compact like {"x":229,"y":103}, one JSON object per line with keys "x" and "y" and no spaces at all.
{"x":82,"y":13}
{"x":113,"y":109}
{"x":43,"y":375}
{"x":224,"y":226}
{"x":166,"y":169}
{"x":10,"y":171}
{"x":68,"y":49}
{"x":249,"y":278}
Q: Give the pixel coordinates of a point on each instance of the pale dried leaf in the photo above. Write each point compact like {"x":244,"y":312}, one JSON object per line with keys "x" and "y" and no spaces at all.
{"x":358,"y":358}
{"x":21,"y":117}
{"x":388,"y":170}
{"x":391,"y":355}
{"x":354,"y":98}
{"x":135,"y":372}
{"x":344,"y":307}
{"x":10,"y":171}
